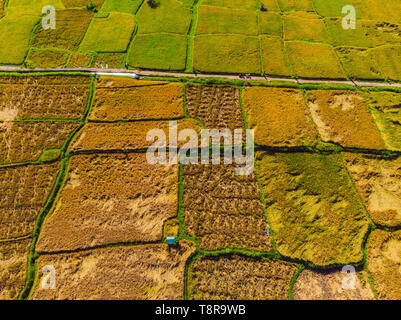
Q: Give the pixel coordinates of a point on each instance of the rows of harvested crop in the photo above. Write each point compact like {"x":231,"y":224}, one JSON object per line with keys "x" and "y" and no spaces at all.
{"x":32,"y":114}
{"x":223,"y":210}
{"x":240,"y":278}
{"x":216,"y":107}
{"x":24,"y":191}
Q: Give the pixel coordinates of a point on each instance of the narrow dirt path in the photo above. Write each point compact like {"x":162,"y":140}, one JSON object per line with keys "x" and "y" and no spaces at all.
{"x":154,"y":73}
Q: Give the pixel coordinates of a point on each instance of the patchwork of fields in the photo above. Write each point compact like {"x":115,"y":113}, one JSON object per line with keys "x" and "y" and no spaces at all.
{"x":77,"y":191}
{"x":290,"y":38}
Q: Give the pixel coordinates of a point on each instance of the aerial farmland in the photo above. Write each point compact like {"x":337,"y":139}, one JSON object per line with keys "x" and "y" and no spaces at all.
{"x":200,"y":150}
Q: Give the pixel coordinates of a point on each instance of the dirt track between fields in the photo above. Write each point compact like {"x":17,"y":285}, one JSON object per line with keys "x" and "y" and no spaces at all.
{"x":153,"y":73}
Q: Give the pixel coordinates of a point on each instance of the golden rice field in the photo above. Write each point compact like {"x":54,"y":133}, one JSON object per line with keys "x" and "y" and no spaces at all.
{"x":79,"y":193}
{"x":291,"y":38}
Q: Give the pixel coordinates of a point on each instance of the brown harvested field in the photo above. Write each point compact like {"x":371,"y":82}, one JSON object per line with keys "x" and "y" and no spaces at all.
{"x":342,"y":117}
{"x":240,"y":278}
{"x":25,"y":141}
{"x":111,"y":199}
{"x":278,"y":116}
{"x":328,"y":285}
{"x":23,"y":192}
{"x":222,"y":209}
{"x":124,"y":135}
{"x":217,"y":107}
{"x":160,"y":101}
{"x":70,"y":29}
{"x":378,"y":181}
{"x":142,"y":272}
{"x":43,"y":101}
{"x":313,"y":211}
{"x":13,"y":268}
{"x":55,"y":80}
{"x":384,"y":263}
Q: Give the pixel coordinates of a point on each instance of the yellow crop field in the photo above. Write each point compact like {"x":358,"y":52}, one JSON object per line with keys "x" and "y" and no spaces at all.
{"x":163,"y":101}
{"x":278,"y":116}
{"x":220,"y":20}
{"x":304,"y":26}
{"x":46,"y":58}
{"x":388,"y":58}
{"x":45,"y":98}
{"x":108,"y":60}
{"x":313,"y":60}
{"x":111,"y":199}
{"x":13,"y":267}
{"x":385,"y":108}
{"x":299,"y":5}
{"x":383,"y":261}
{"x":270,"y":23}
{"x":70,"y":30}
{"x":123,"y":136}
{"x":273,"y":56}
{"x":343,"y":117}
{"x":25,"y":141}
{"x":313,"y":211}
{"x":359,"y":63}
{"x":327,"y":285}
{"x":226,"y":54}
{"x":378,"y":182}
{"x":141,"y":272}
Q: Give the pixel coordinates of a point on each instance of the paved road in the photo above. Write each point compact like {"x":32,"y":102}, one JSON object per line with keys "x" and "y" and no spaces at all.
{"x":150,"y":73}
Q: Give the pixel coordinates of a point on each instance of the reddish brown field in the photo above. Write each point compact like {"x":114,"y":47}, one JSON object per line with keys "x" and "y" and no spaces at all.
{"x":222,"y":209}
{"x":23,"y":192}
{"x":143,"y":272}
{"x":240,"y":278}
{"x":110,"y":199}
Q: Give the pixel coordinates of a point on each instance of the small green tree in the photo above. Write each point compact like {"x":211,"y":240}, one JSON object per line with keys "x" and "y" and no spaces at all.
{"x":91,"y":7}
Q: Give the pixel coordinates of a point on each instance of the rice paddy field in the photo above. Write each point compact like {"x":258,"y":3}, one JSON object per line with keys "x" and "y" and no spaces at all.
{"x":81,"y":194}
{"x":298,"y":39}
